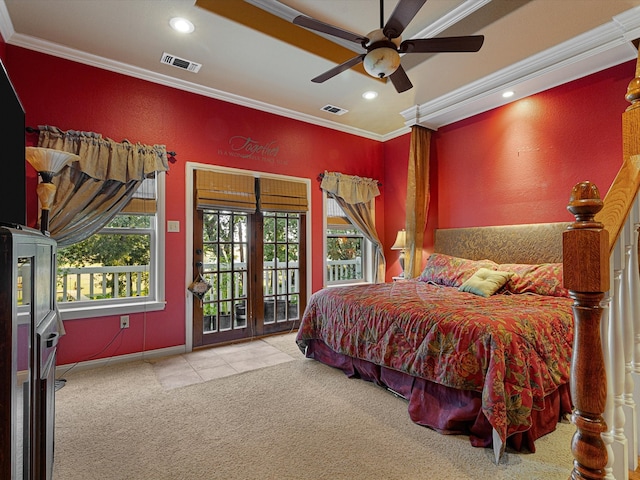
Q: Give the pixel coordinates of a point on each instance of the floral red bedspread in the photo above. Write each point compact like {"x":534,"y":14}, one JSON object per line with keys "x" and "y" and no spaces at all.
{"x":515,"y":349}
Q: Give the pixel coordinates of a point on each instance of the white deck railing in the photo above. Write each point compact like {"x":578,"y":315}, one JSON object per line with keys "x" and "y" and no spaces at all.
{"x":89,"y":283}
{"x":341,"y":270}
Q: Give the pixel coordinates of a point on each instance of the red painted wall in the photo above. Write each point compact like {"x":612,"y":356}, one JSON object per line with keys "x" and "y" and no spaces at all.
{"x":518,"y":163}
{"x":70,"y":95}
{"x":394,"y":187}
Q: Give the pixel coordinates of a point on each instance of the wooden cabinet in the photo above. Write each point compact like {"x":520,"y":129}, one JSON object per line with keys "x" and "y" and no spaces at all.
{"x":28,"y":339}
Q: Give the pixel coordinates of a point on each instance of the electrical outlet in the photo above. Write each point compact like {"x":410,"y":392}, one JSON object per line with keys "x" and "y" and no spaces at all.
{"x":124,"y":321}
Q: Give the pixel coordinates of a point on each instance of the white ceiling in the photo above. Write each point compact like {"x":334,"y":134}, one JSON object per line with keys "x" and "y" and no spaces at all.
{"x":530,"y":45}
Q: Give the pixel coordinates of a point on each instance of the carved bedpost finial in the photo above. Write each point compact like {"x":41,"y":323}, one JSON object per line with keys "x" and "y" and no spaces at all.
{"x":633,"y":90}
{"x":584,"y":203}
{"x":585,"y":257}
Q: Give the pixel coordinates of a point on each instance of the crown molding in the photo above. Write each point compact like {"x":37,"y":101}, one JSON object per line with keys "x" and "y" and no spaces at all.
{"x":591,"y":52}
{"x":596,"y":50}
{"x":454,"y":16}
{"x":66,"y":53}
{"x":6,"y":26}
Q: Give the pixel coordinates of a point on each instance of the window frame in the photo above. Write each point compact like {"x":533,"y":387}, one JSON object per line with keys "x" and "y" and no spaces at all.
{"x":368,"y":251}
{"x":155,"y":301}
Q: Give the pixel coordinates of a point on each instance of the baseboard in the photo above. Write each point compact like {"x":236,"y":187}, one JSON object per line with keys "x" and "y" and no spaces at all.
{"x":130,"y":357}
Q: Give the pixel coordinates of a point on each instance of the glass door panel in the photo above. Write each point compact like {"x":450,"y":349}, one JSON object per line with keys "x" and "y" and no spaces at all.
{"x":281,"y":268}
{"x":225,"y":268}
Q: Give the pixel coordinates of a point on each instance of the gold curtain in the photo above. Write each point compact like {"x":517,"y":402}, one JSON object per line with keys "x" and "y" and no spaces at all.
{"x":417,"y":203}
{"x":93,"y":190}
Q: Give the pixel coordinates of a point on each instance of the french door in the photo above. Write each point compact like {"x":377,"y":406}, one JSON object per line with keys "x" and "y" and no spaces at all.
{"x":256,"y":266}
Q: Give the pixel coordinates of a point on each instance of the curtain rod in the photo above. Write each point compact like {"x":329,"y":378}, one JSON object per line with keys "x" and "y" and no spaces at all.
{"x":37,"y":130}
{"x":321,"y":176}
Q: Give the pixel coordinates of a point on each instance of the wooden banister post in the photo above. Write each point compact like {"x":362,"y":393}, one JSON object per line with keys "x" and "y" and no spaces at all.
{"x":585,"y":249}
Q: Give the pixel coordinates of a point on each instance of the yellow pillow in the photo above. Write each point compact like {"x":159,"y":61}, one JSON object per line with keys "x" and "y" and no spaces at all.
{"x":485,"y":282}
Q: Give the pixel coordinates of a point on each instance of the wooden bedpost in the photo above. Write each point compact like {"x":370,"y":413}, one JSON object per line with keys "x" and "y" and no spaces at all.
{"x":585,"y":247}
{"x":588,"y":248}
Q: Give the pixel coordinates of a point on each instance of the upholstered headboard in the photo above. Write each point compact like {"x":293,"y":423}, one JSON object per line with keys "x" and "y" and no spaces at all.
{"x":531,"y":243}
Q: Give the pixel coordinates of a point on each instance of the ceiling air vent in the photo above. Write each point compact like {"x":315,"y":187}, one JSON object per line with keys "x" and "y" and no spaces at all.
{"x":170,"y":59}
{"x":334,"y":110}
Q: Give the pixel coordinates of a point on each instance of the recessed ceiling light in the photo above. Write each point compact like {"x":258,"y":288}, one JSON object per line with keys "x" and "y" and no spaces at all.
{"x":370,"y":95}
{"x":508,"y":94}
{"x":181,"y":25}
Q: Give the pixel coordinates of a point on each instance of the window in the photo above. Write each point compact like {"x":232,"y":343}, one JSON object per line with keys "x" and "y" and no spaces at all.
{"x":116,"y":268}
{"x":348,"y":252}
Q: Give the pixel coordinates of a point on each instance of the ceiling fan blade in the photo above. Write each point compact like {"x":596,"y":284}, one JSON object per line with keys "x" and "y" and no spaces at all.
{"x":319,"y":26}
{"x":471,"y":43}
{"x":401,"y":17}
{"x":338,"y":69}
{"x":400,"y":80}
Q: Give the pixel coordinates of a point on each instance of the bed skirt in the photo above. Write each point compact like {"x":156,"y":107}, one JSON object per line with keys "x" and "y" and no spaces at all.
{"x":445,"y":409}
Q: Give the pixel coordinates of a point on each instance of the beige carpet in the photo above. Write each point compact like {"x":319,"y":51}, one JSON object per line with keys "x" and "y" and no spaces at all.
{"x":294,"y":420}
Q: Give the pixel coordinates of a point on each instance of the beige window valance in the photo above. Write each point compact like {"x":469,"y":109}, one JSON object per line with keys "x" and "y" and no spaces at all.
{"x":94,"y":189}
{"x":351,"y":188}
{"x":105,"y":159}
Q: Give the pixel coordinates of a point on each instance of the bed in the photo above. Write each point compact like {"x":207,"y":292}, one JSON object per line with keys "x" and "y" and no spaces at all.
{"x":489,"y":358}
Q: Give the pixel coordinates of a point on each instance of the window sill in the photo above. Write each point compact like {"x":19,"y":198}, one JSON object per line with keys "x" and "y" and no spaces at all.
{"x":69,"y":313}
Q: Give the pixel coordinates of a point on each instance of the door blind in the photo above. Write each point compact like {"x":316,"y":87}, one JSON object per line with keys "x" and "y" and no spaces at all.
{"x":219,"y":190}
{"x":283,"y":196}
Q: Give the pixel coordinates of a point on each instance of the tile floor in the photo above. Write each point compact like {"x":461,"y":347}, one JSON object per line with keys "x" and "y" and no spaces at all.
{"x":203,"y":365}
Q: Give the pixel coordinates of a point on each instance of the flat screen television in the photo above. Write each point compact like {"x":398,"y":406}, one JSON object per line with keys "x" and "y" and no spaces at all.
{"x":13,"y":209}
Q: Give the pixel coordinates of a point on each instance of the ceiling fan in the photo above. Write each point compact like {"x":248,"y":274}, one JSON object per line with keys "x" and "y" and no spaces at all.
{"x":384,"y":45}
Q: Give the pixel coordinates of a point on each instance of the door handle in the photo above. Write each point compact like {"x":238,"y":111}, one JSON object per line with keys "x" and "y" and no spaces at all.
{"x":52,"y":340}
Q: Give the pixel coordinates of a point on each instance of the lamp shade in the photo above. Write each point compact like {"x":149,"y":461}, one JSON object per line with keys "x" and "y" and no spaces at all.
{"x":47,"y":162}
{"x":401,"y":240}
{"x":49,"y":159}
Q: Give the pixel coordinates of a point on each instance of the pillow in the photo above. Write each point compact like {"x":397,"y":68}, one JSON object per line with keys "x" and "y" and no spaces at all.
{"x":452,"y":271}
{"x":485,"y":282}
{"x":542,"y":279}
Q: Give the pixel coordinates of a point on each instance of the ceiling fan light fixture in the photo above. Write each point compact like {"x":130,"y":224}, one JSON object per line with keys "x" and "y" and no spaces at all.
{"x":384,"y":45}
{"x":381,"y":62}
